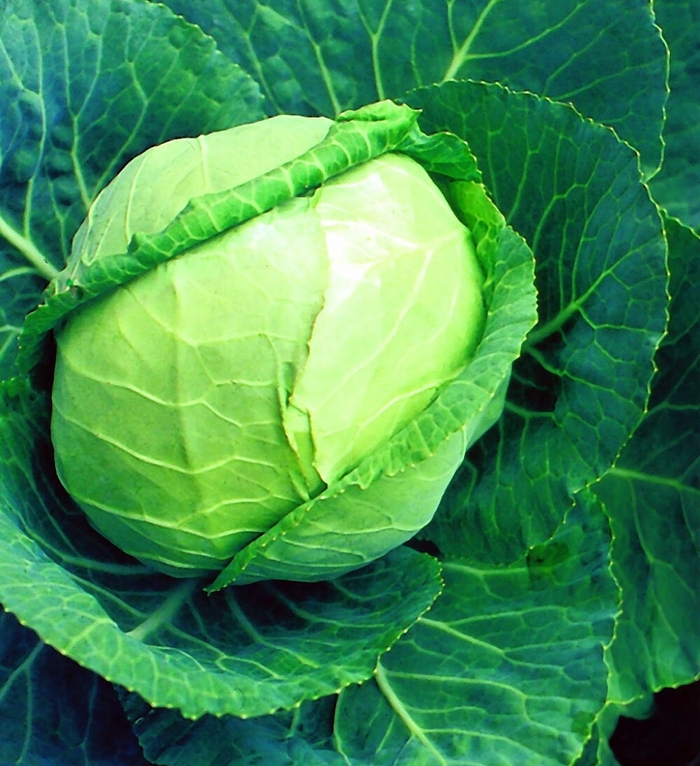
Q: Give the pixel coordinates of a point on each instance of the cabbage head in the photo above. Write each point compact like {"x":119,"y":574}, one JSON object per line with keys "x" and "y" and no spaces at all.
{"x":247,"y":395}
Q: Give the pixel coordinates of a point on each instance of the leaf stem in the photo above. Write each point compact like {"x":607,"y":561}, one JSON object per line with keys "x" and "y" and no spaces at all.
{"x":556,"y":323}
{"x":662,"y":481}
{"x":29,"y":250}
{"x":398,"y":707}
{"x":461,"y":55}
{"x":165,"y":611}
{"x":375,"y":37}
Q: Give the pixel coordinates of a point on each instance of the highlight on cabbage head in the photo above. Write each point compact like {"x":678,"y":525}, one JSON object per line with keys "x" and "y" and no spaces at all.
{"x":257,"y":405}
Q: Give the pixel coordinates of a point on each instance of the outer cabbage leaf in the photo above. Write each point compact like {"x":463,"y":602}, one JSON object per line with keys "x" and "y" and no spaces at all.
{"x":245,"y":651}
{"x":20,"y":288}
{"x":83,"y":96}
{"x":54,"y":711}
{"x":599,"y":750}
{"x":507,"y":667}
{"x":323,"y":57}
{"x":653,"y":498}
{"x":581,"y":386}
{"x":303,"y":736}
{"x":675,"y":186}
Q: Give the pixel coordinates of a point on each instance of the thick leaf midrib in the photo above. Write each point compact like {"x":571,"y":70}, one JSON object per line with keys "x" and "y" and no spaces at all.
{"x":175,"y":600}
{"x":375,"y":38}
{"x":655,"y":479}
{"x":382,"y":680}
{"x":22,"y":244}
{"x":462,"y":54}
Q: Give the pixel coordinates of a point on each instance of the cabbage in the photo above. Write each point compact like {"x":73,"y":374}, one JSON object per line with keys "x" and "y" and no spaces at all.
{"x":202,"y":403}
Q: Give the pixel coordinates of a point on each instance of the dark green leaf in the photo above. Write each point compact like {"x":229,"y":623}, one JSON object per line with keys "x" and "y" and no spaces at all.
{"x":20,"y":288}
{"x":653,"y":499}
{"x":323,"y":57}
{"x":303,"y":736}
{"x":580,"y":388}
{"x":87,"y":84}
{"x":55,"y":712}
{"x":507,"y":668}
{"x":676,"y":184}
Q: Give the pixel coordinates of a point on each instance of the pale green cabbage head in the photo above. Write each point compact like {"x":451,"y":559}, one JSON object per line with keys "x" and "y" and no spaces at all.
{"x":230,"y":391}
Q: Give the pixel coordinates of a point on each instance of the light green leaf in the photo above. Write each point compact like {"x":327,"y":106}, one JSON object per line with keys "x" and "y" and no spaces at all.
{"x":390,"y":490}
{"x":580,"y":388}
{"x":174,"y":382}
{"x":653,"y":499}
{"x":245,"y":651}
{"x":356,"y":137}
{"x":350,"y":524}
{"x":88,"y":84}
{"x":323,"y":57}
{"x":386,"y":345}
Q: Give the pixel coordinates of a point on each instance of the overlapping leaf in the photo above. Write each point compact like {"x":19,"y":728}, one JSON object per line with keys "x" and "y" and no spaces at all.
{"x":508,"y":667}
{"x":54,"y":711}
{"x":88,"y":84}
{"x":556,"y":177}
{"x":675,"y":186}
{"x":580,"y":388}
{"x":653,"y":498}
{"x":246,"y":651}
{"x":302,"y":736}
{"x":321,"y":58}
{"x":356,"y":137}
{"x":20,"y":287}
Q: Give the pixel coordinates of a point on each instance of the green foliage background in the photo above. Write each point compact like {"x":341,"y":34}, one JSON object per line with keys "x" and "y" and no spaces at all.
{"x":567,"y":544}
